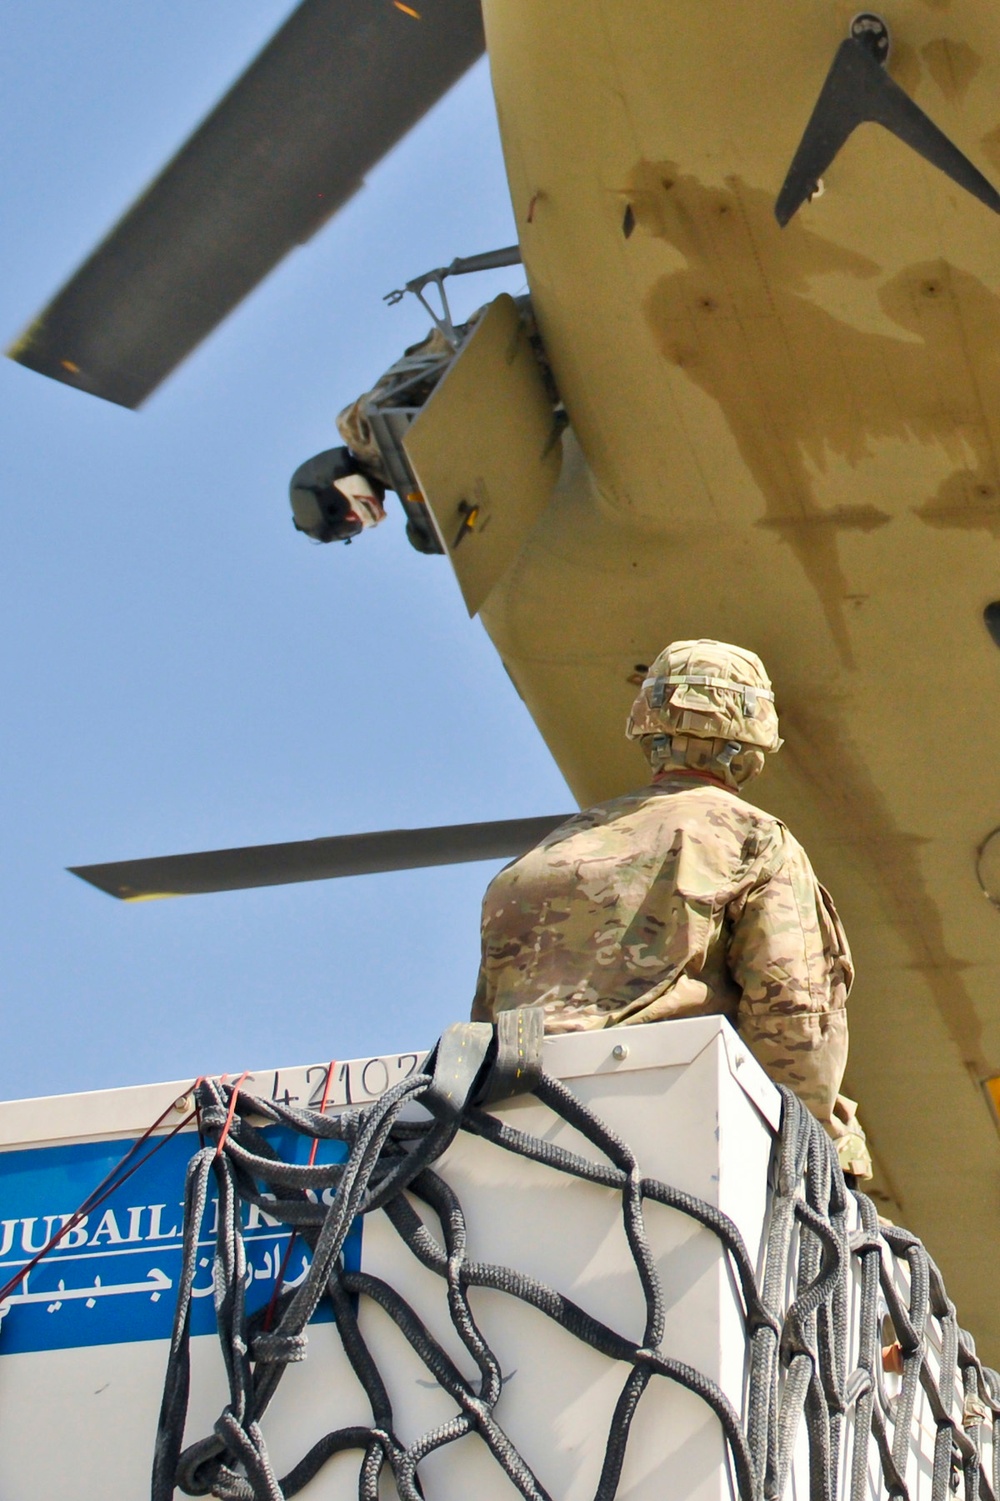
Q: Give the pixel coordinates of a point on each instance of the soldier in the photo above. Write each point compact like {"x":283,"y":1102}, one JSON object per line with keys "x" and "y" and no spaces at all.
{"x":682,"y":899}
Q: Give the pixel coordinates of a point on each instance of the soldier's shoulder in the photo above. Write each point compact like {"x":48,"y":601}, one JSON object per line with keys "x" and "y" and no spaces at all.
{"x":717,"y":800}
{"x":689,"y":802}
{"x":762,"y":835}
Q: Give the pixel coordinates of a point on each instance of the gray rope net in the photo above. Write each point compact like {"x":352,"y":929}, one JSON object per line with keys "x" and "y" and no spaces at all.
{"x":798,"y":1368}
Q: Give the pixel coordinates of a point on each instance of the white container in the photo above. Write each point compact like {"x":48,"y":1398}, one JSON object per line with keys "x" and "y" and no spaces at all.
{"x":83,"y":1346}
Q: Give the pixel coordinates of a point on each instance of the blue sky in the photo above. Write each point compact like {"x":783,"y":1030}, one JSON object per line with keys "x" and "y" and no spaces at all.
{"x":180,"y":670}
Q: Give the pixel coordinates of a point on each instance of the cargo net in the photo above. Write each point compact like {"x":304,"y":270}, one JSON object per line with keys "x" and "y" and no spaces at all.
{"x":798,"y":1368}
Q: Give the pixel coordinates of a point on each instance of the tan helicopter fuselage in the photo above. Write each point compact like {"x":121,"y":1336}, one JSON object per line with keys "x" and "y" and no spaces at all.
{"x":786,"y":439}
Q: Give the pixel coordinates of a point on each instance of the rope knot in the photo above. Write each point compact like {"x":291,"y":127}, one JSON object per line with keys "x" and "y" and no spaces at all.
{"x":279,"y":1349}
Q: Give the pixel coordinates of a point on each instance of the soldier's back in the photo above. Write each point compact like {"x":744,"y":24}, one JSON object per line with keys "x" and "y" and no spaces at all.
{"x":617,"y":916}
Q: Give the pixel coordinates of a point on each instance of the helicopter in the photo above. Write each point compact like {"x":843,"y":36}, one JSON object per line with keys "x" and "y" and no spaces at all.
{"x":777,"y":362}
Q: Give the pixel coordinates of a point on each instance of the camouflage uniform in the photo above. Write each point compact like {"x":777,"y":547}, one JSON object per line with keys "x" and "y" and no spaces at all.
{"x":680,"y":900}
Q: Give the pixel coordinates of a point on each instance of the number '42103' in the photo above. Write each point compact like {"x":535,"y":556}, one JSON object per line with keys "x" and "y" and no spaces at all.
{"x":324,"y":1086}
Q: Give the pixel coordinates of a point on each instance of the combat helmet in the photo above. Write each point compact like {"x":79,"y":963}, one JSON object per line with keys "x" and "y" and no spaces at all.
{"x":334,"y":498}
{"x":706,"y":691}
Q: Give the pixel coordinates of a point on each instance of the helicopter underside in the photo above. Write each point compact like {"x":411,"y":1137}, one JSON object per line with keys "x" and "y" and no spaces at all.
{"x":787,"y":439}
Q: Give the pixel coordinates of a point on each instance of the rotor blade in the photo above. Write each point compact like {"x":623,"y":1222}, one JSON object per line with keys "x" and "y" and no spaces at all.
{"x":316,"y":859}
{"x":338,"y":85}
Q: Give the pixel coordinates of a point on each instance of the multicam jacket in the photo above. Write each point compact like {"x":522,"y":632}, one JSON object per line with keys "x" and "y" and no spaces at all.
{"x":680,"y":900}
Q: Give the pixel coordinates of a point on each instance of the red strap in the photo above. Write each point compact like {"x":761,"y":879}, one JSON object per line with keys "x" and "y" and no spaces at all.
{"x":322,"y":1106}
{"x":279,"y":1280}
{"x":232,"y":1109}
